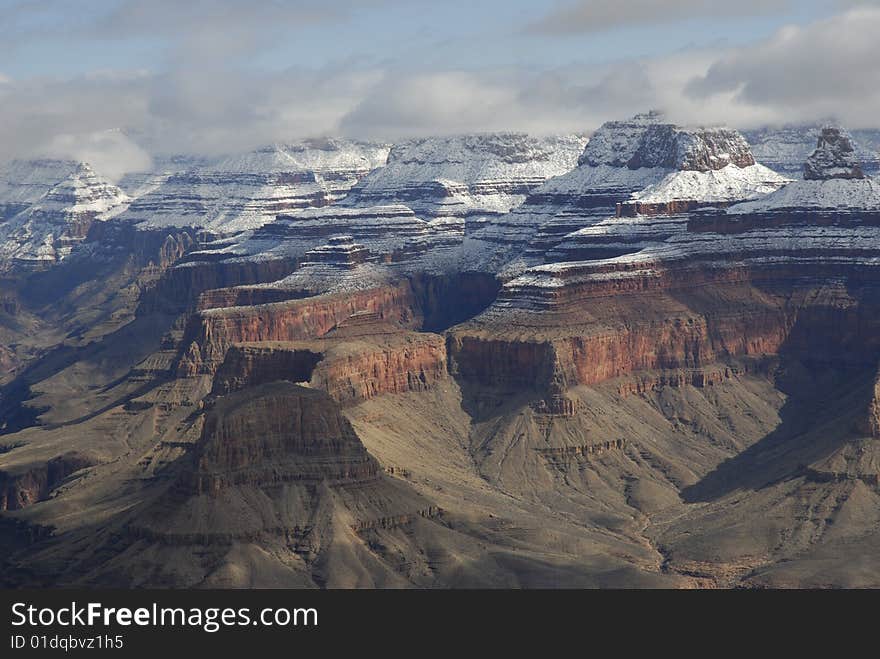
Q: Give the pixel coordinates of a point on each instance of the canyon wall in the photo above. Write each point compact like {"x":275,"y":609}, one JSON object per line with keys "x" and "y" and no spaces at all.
{"x":674,"y":329}
{"x":351,"y":372}
{"x":212,"y":331}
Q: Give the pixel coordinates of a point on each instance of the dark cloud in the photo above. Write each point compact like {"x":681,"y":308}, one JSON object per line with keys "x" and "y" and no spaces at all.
{"x":588,"y":16}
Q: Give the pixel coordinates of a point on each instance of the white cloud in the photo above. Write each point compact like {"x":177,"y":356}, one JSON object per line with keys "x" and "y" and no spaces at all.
{"x":828,"y":68}
{"x":203,"y":105}
{"x":110,"y":152}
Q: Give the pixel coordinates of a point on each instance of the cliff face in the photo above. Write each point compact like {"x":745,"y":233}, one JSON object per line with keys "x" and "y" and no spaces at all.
{"x":180,"y":287}
{"x":211,"y":332}
{"x":509,"y":364}
{"x":351,"y":370}
{"x":30,"y":485}
{"x":670,"y":325}
{"x":278,"y":472}
{"x":274,"y":434}
{"x":778,"y":262}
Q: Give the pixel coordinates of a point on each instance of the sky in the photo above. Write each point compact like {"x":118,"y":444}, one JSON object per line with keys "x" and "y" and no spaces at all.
{"x":116,"y":81}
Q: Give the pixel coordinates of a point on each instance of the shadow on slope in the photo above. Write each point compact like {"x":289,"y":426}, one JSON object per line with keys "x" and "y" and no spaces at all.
{"x":817,"y":419}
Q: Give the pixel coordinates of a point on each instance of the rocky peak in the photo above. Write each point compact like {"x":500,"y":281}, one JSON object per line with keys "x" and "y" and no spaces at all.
{"x":645,"y":141}
{"x":834,"y":157}
{"x":615,"y":143}
{"x":84,"y":191}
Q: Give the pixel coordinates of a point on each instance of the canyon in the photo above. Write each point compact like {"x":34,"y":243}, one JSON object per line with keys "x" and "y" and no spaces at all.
{"x":638,"y":359}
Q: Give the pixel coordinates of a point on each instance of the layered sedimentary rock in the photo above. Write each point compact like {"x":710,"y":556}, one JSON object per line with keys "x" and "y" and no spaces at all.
{"x":413,"y":211}
{"x":340,"y":265}
{"x":352,"y":368}
{"x":275,"y":434}
{"x":688,"y":190}
{"x":245,"y":191}
{"x":33,"y":483}
{"x":280,"y":467}
{"x":832,"y":212}
{"x":48,"y":229}
{"x":645,"y":308}
{"x":632,"y":167}
{"x":469,"y":174}
{"x":684,"y":394}
{"x":212,"y":331}
{"x":390,"y":233}
{"x":23,"y":182}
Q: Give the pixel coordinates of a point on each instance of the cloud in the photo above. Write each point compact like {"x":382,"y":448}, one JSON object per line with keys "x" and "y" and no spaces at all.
{"x":217,"y":104}
{"x":588,"y":16}
{"x":567,"y":99}
{"x":190,"y":110}
{"x":828,"y":68}
{"x":110,"y":152}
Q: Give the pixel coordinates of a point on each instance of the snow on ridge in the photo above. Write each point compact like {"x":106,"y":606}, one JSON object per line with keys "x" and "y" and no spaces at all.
{"x":647,"y":141}
{"x":728,"y":184}
{"x":23,"y":182}
{"x":493,"y":161}
{"x":831,"y":194}
{"x":47,"y":230}
{"x":310,"y":155}
{"x":246,"y":191}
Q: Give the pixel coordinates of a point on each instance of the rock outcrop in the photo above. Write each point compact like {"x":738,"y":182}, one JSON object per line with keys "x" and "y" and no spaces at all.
{"x":834,"y":158}
{"x":274,"y":434}
{"x":646,"y":142}
{"x":785,"y":148}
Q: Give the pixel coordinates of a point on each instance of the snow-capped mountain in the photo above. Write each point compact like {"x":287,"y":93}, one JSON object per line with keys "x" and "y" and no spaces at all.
{"x":640,"y":165}
{"x":468,"y":175}
{"x":834,"y":180}
{"x":22,"y":182}
{"x":785,"y":148}
{"x":414,"y":208}
{"x":245,"y":191}
{"x":47,"y":230}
